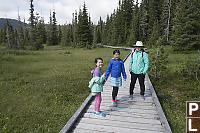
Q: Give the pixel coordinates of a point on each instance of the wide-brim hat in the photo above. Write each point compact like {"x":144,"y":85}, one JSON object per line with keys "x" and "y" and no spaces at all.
{"x":139,"y":44}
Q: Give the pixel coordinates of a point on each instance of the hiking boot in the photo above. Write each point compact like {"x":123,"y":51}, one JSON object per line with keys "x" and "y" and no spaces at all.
{"x":142,"y":97}
{"x":131,"y":97}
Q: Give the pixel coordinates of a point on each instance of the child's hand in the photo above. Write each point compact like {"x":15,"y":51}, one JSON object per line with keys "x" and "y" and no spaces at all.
{"x":104,"y":74}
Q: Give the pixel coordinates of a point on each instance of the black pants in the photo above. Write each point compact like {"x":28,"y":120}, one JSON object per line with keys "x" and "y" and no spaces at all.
{"x":114,"y":92}
{"x":141,"y":82}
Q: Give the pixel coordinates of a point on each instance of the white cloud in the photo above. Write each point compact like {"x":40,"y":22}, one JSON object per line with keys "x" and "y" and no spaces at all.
{"x":63,"y":8}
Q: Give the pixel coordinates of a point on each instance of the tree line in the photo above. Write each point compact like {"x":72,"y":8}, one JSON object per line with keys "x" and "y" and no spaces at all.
{"x":155,"y":22}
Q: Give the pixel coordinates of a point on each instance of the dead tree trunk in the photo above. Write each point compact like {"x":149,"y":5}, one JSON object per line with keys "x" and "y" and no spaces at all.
{"x":168,"y":20}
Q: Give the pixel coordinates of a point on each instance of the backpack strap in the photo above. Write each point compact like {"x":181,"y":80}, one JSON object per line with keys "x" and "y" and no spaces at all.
{"x":134,"y":51}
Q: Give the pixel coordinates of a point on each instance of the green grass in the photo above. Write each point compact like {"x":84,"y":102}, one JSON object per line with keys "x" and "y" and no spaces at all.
{"x":41,"y":90}
{"x":174,"y":90}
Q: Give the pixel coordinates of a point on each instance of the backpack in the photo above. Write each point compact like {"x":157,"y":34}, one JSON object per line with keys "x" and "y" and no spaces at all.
{"x":143,"y":50}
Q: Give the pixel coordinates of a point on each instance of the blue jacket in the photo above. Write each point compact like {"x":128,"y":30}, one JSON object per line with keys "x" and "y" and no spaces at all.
{"x":116,"y":67}
{"x":137,"y":63}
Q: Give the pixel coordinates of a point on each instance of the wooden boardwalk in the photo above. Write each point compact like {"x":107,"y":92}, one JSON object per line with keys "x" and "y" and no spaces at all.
{"x":130,"y":116}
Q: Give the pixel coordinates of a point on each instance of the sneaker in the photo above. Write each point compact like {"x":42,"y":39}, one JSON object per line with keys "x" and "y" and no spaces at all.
{"x":116,"y":99}
{"x":100,"y":114}
{"x":131,"y":97}
{"x":114,"y":103}
{"x":142,"y":97}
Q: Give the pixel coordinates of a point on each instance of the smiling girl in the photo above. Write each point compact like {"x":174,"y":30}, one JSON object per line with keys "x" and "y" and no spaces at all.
{"x":96,"y":85}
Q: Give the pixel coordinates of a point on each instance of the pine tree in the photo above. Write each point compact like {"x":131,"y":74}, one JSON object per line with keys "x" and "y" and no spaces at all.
{"x":40,"y":31}
{"x":153,"y":13}
{"x":25,"y":35}
{"x":186,"y":31}
{"x":67,"y":37}
{"x":54,"y":29}
{"x":143,"y":21}
{"x":75,"y":29}
{"x":105,"y":31}
{"x":154,"y":35}
{"x":2,"y":37}
{"x":20,"y":34}
{"x":4,"y":34}
{"x":158,"y":61}
{"x":84,"y":29}
{"x":33,"y":42}
{"x":135,"y":27}
{"x":59,"y":34}
{"x":49,"y":31}
{"x":10,"y":39}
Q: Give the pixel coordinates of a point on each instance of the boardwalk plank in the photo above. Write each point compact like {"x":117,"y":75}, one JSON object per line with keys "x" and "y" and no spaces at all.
{"x":140,"y":120}
{"x":113,"y":129}
{"x":152,"y":127}
{"x":124,"y":110}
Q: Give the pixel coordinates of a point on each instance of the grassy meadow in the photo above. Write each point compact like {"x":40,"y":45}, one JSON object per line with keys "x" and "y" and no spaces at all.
{"x":41,"y":90}
{"x":174,"y":89}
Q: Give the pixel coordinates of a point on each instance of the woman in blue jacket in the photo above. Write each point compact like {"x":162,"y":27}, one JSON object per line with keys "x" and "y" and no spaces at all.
{"x":138,"y":66}
{"x":116,"y":68}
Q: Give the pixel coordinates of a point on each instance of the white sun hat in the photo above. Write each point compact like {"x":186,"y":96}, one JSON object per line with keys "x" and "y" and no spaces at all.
{"x":139,"y":44}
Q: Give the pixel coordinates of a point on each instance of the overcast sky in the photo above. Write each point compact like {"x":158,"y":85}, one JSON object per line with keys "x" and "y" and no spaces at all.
{"x":63,"y":8}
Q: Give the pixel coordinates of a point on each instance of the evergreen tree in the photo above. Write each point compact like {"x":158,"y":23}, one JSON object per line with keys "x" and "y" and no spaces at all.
{"x":20,"y":34}
{"x":49,"y":31}
{"x":2,"y":36}
{"x":75,"y":29}
{"x":54,"y":30}
{"x":84,"y":29}
{"x":154,"y":10}
{"x":105,"y":31}
{"x":33,"y":42}
{"x":59,"y":34}
{"x":158,"y":61}
{"x":154,"y":35}
{"x":143,"y":21}
{"x":135,"y":27}
{"x":67,"y":36}
{"x":186,"y":31}
{"x":10,"y":38}
{"x":40,"y":31}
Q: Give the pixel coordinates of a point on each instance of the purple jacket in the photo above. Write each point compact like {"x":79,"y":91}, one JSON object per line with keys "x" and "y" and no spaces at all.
{"x":96,"y":72}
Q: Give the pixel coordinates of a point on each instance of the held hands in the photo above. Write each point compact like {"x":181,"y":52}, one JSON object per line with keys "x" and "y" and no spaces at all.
{"x":104,"y":73}
{"x":104,"y":79}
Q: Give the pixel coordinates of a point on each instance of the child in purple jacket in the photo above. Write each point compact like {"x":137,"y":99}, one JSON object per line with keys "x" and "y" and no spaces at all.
{"x":96,"y":85}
